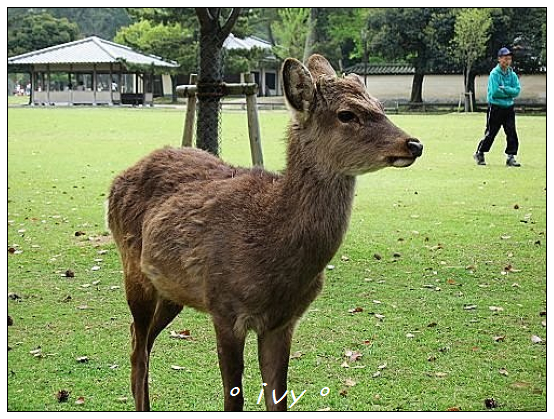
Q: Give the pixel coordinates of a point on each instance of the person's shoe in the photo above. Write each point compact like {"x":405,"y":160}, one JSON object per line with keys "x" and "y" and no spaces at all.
{"x":480,"y":158}
{"x":512,"y":162}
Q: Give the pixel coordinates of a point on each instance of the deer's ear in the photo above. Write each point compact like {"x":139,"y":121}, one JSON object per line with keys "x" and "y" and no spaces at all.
{"x":298,"y":84}
{"x":318,"y":65}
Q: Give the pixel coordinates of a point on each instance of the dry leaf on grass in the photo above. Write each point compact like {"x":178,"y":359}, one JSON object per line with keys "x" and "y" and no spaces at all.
{"x":536,"y":339}
{"x":499,"y":338}
{"x":503,"y":371}
{"x":177,"y":367}
{"x":62,"y":396}
{"x":82,"y":359}
{"x":356,"y":310}
{"x":296,"y":355}
{"x":349,"y":382}
{"x":80,"y":400}
{"x":183,"y":334}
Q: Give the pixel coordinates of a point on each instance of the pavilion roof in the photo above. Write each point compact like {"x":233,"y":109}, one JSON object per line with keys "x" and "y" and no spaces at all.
{"x":89,"y":50}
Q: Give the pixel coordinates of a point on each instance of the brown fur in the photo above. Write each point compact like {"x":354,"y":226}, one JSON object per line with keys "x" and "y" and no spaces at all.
{"x":248,"y":246}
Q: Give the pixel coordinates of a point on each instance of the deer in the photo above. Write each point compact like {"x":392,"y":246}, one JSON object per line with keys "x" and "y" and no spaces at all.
{"x":247,"y":246}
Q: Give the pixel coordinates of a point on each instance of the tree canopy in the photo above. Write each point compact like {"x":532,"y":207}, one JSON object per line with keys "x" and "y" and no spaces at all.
{"x":37,"y":31}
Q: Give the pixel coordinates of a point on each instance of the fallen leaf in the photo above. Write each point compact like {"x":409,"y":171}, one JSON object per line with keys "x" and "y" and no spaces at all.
{"x":122,"y":399}
{"x":495,"y":308}
{"x":11,"y":250}
{"x":382,"y":366}
{"x":431,"y":358}
{"x":440,"y":374}
{"x":324,"y":409}
{"x":356,"y":310}
{"x":102,"y":252}
{"x":355,"y":356}
{"x":471,"y":267}
{"x":69,"y":274}
{"x":95,"y":268}
{"x":451,"y":282}
{"x":62,"y":396}
{"x":345,"y":365}
{"x":536,"y":339}
{"x":114,"y":366}
{"x":344,"y":258}
{"x":376,"y":374}
{"x":114,"y":287}
{"x":296,"y":355}
{"x":177,"y":367}
{"x":505,"y":237}
{"x":499,"y":338}
{"x":520,"y":385}
{"x":80,"y":400}
{"x":183,"y":334}
{"x":410,"y":335}
{"x":470,"y":307}
{"x":543,"y":323}
{"x":503,"y":371}
{"x":95,"y":282}
{"x":490,"y":403}
{"x":83,"y":307}
{"x":82,"y":359}
{"x":379,"y":316}
{"x":36,"y":352}
{"x":85,"y":285}
{"x":367,"y":342}
{"x":330,"y":267}
{"x":349,"y":382}
{"x":80,"y":233}
{"x":14,"y":296}
{"x":377,"y":256}
{"x":376,"y":302}
{"x":453,"y":409}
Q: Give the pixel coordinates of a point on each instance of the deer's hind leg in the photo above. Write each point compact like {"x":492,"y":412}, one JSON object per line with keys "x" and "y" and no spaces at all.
{"x":142,"y":300}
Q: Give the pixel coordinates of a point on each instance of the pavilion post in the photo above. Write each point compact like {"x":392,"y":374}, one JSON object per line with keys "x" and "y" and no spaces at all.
{"x":47,"y":82}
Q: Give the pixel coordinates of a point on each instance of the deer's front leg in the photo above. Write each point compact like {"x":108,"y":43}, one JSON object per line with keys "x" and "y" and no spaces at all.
{"x":230,"y":350}
{"x":273,"y":355}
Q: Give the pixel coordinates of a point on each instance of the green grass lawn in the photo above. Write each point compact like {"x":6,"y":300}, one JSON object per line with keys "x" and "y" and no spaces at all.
{"x":450,"y":304}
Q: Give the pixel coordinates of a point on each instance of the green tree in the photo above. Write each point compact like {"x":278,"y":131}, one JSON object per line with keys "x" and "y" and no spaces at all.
{"x":171,"y":41}
{"x":418,"y":36}
{"x":471,"y":34}
{"x":290,"y":32}
{"x":31,"y":32}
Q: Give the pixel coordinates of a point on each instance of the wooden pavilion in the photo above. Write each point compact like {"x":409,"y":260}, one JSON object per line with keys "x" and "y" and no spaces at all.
{"x":89,"y":71}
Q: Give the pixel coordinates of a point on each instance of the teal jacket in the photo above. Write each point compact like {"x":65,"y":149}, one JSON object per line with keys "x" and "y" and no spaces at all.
{"x":503,"y":87}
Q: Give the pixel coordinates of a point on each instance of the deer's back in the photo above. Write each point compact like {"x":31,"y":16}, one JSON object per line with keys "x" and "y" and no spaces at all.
{"x":155,"y":179}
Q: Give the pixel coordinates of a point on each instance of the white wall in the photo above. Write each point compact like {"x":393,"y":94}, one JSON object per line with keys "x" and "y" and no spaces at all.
{"x":448,"y":88}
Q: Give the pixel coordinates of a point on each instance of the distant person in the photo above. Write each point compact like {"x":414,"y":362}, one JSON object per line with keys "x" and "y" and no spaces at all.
{"x":502,"y":89}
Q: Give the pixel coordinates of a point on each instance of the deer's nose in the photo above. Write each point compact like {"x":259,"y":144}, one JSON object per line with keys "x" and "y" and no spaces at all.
{"x":415,"y":147}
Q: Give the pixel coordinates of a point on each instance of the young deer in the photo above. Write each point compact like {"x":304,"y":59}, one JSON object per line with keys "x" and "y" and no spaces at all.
{"x":247,"y":246}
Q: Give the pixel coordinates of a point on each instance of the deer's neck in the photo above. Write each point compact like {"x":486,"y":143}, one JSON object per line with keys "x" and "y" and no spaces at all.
{"x":316,"y":205}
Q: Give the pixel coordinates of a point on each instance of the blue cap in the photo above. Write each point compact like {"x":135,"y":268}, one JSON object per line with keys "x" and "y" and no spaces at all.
{"x":504,"y":51}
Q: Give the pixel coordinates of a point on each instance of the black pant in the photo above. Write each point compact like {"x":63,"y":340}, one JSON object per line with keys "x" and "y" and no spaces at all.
{"x":497,"y":117}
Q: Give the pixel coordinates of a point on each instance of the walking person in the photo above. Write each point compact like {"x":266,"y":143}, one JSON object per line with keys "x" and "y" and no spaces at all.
{"x":502,"y":89}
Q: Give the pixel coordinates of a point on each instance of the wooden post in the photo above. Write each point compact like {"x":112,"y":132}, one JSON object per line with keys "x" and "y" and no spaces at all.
{"x":94,"y":84}
{"x":189,"y":117}
{"x":47,"y":84}
{"x":254,"y":125}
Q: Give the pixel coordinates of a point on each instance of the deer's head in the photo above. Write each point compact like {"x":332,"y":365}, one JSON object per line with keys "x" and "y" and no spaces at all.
{"x":340,"y":125}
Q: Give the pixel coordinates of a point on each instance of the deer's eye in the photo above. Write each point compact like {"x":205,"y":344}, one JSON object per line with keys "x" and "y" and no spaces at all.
{"x":347,"y":116}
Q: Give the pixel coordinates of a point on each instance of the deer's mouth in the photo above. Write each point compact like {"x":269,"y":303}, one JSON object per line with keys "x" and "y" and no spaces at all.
{"x":401,"y":161}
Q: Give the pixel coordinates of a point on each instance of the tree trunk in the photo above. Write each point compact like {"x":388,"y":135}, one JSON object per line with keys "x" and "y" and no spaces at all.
{"x":310,"y":37}
{"x":173,"y":88}
{"x":417,"y":87}
{"x":469,"y":87}
{"x":210,"y":78}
